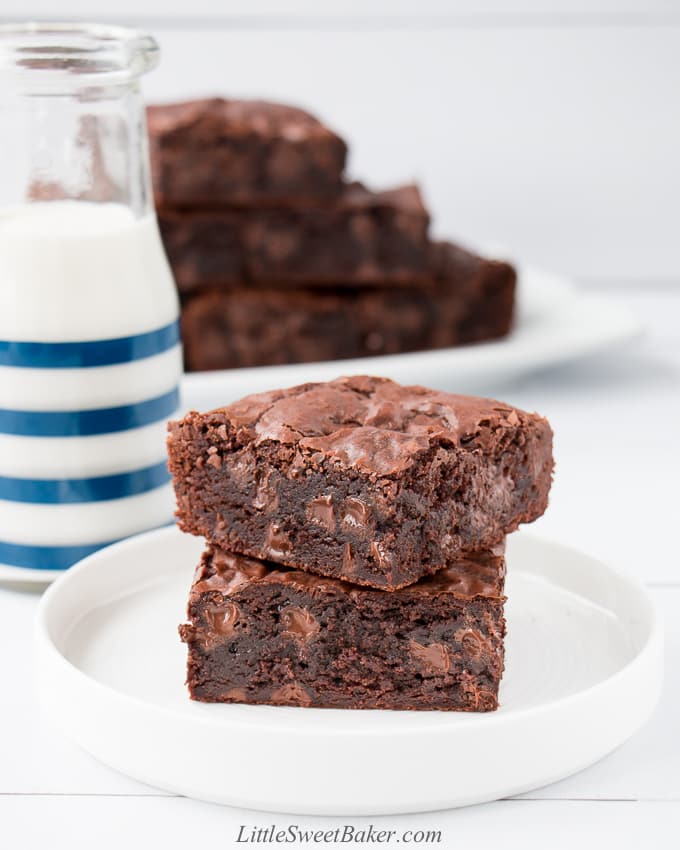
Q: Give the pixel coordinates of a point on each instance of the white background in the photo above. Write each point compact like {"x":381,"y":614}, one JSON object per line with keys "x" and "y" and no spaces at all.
{"x":549,"y":127}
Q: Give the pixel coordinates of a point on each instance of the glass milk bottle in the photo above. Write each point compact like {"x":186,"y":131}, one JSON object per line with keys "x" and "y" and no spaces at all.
{"x":90,"y":357}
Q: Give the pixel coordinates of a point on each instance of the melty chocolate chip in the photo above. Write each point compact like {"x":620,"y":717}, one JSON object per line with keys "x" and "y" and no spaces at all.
{"x":472,"y":641}
{"x":434,"y":657}
{"x":299,"y":623}
{"x":278,"y":543}
{"x":320,"y":510}
{"x":234,"y":695}
{"x":222,"y":619}
{"x":291,"y":694}
{"x":355,"y":512}
{"x":348,"y":563}
{"x":379,"y":554}
{"x":266,"y":495}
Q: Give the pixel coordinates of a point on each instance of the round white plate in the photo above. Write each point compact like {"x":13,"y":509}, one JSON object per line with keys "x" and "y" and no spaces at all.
{"x":555,"y":324}
{"x":584,"y":666}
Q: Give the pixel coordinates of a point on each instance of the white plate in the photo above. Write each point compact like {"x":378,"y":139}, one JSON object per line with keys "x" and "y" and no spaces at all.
{"x":556,"y":324}
{"x":584,"y":666}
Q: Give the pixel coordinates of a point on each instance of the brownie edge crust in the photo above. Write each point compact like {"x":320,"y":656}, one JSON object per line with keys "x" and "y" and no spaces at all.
{"x":360,"y":478}
{"x":259,"y":633}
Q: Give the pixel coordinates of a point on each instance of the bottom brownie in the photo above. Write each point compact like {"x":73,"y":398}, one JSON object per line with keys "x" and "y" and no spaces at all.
{"x":468,"y":300}
{"x":261,"y":633}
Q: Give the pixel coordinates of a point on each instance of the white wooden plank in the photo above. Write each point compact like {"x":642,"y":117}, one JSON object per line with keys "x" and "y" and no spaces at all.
{"x":33,"y":756}
{"x":177,"y":823}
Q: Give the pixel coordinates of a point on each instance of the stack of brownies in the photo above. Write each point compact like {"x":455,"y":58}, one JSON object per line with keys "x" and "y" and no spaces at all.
{"x":355,"y":533}
{"x":279,"y":258}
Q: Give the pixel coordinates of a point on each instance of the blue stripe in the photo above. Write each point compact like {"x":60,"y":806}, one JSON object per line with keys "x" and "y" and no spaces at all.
{"x":46,"y":557}
{"x":80,"y":355}
{"x":85,"y":423}
{"x":50,"y":557}
{"x":65,"y":491}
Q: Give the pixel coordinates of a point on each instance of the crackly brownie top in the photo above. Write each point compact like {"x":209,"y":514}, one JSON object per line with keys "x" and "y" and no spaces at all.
{"x":367,"y":423}
{"x":470,"y":577}
{"x":235,"y":117}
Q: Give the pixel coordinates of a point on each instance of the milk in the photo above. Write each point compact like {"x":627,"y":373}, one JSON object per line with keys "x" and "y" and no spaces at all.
{"x":73,"y":270}
{"x":89,"y":371}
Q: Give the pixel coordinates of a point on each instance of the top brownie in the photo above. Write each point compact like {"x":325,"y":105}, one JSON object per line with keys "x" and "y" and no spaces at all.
{"x":237,"y":152}
{"x":360,"y":478}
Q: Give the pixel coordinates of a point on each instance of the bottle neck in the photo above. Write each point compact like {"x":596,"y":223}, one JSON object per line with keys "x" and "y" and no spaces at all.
{"x":84,"y":144}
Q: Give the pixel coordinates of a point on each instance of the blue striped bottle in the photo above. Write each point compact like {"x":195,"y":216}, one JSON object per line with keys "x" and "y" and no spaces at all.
{"x":90,"y":355}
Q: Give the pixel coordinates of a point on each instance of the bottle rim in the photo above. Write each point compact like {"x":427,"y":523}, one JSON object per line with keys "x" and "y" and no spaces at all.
{"x":74,"y":55}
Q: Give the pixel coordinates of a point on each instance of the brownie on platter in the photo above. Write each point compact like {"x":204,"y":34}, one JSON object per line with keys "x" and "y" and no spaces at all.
{"x":361,"y":237}
{"x":360,"y":478}
{"x":262,"y":633}
{"x":470,"y":299}
{"x":216,"y":152}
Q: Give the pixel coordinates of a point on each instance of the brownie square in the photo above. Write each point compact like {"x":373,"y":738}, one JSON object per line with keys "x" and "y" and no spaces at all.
{"x":362,"y":237}
{"x":469,"y":300}
{"x":214,"y":152}
{"x":259,"y":633}
{"x":360,"y":478}
{"x":257,"y":327}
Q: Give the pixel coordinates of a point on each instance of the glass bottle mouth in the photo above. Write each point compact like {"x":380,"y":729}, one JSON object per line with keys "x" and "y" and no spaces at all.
{"x":74,"y":55}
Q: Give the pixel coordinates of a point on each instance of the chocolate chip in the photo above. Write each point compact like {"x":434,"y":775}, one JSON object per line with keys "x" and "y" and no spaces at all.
{"x":299,"y":623}
{"x":356,"y":512}
{"x":348,"y":563}
{"x":473,"y":643}
{"x":434,"y":657}
{"x":234,"y":695}
{"x":266,"y":495}
{"x":222,"y":619}
{"x":277,"y":542}
{"x":291,"y":694}
{"x":320,"y":510}
{"x":379,"y":554}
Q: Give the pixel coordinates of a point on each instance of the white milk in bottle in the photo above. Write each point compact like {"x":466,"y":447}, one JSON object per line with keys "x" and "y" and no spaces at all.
{"x":90,"y":356}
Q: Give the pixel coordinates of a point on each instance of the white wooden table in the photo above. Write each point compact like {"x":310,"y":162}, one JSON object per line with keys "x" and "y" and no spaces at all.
{"x":616,"y":496}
